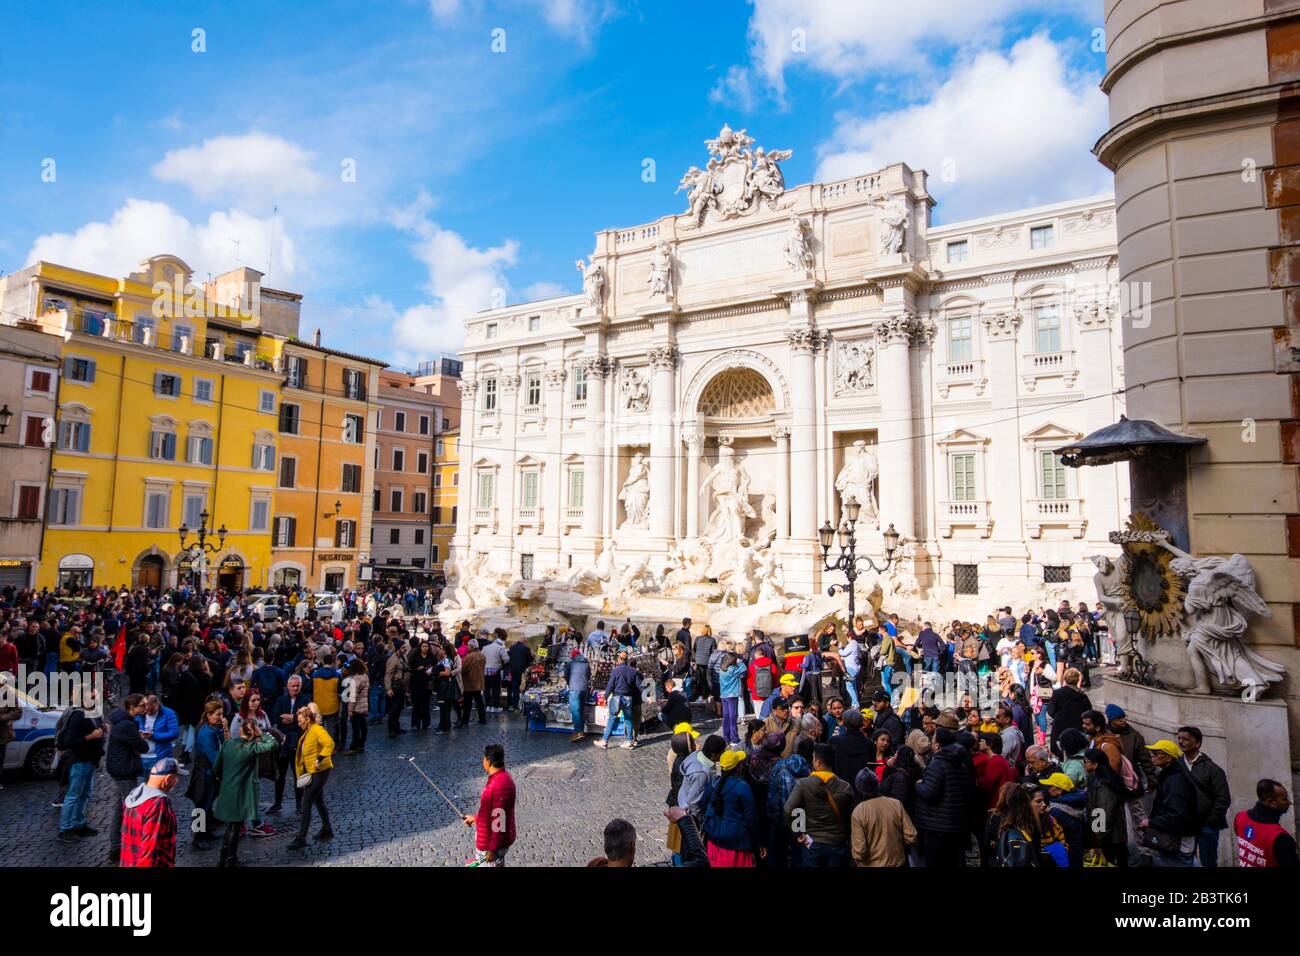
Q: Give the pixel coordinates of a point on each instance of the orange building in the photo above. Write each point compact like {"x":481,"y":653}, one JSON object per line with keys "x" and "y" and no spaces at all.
{"x":325,"y":472}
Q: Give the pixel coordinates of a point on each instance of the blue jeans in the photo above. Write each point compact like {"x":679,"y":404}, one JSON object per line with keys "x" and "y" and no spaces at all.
{"x":851,"y":688}
{"x":378,"y":701}
{"x":1051,"y":652}
{"x":823,"y":856}
{"x":81,"y":784}
{"x":931,"y":665}
{"x":1207,"y":847}
{"x":575,"y":711}
{"x":619,"y":704}
{"x":886,"y":681}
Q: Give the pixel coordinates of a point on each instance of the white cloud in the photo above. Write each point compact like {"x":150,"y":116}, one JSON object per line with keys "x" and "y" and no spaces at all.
{"x":462,"y":280}
{"x":142,"y":228}
{"x":847,"y":38}
{"x":578,"y":19}
{"x":736,"y":88}
{"x":252,"y":168}
{"x":1015,"y":128}
{"x":543,"y":290}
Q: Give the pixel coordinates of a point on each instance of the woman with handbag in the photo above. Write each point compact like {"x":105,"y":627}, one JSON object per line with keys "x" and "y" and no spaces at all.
{"x":312,"y":764}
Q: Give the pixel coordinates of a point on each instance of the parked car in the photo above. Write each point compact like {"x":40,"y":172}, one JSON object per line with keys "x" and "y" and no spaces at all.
{"x":32,"y":748}
{"x":323,"y":602}
{"x":268,"y":607}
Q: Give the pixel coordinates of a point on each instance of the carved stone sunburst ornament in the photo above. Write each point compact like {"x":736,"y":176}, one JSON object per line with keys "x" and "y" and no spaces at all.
{"x":1148,"y":583}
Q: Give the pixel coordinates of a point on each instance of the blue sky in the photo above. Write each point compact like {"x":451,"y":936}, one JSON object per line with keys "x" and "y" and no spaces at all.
{"x":477,"y":170}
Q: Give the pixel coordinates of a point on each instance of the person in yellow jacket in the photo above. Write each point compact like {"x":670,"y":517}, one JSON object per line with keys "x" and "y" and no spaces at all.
{"x":312,"y":764}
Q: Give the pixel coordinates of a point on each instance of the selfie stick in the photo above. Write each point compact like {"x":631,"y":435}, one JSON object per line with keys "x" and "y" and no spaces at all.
{"x":411,"y":761}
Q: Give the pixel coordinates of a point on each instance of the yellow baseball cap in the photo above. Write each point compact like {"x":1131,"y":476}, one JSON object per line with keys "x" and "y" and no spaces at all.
{"x":1058,"y":780}
{"x":731,"y":758}
{"x":685,"y":728}
{"x":868,"y":713}
{"x":789,"y":680}
{"x":1166,"y":747}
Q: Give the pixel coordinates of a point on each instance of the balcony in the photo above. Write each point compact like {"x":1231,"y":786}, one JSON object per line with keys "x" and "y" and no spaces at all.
{"x":970,"y":372}
{"x":528,"y":519}
{"x":964,"y":514}
{"x":1043,"y":365}
{"x":485,"y":519}
{"x":1066,"y":513}
{"x":572,"y":518}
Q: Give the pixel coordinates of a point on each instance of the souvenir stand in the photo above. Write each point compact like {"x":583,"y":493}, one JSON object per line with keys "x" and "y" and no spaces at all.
{"x":546,"y":695}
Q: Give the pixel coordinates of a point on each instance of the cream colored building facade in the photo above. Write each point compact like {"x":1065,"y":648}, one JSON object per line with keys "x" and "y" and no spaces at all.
{"x":778,"y":327}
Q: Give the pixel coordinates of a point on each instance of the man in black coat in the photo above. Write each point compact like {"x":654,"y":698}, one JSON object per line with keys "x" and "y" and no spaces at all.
{"x":125,"y":745}
{"x":943,"y":797}
{"x":1213,"y":796}
{"x":886,"y":719}
{"x":284,"y":718}
{"x":853,"y":749}
{"x":1173,"y":820}
{"x":520,"y":657}
{"x":675,"y":709}
{"x":1066,"y":707}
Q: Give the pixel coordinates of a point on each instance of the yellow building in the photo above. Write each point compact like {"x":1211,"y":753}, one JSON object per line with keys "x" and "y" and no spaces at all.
{"x":446,"y":492}
{"x":167,"y":407}
{"x":325,"y":477}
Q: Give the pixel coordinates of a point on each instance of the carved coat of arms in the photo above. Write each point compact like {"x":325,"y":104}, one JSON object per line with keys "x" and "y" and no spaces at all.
{"x":736,"y":180}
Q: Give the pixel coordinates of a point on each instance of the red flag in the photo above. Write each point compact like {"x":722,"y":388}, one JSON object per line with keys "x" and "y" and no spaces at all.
{"x":119,"y":648}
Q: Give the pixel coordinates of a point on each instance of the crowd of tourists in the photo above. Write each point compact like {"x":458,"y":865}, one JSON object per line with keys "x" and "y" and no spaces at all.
{"x":199,"y":690}
{"x":969,"y":745}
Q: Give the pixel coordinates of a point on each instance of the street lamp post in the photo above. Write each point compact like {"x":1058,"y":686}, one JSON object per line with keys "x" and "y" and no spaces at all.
{"x":848,"y":559}
{"x":200,"y":549}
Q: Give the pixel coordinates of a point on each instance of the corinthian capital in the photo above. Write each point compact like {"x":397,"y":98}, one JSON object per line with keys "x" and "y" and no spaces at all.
{"x":510,"y":382}
{"x":595,"y":366}
{"x":468,"y":387}
{"x":663,"y":357}
{"x":555,"y":376}
{"x":896,"y":330}
{"x":805,"y":339}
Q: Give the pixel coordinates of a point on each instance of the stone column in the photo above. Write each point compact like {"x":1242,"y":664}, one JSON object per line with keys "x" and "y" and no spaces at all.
{"x":593,"y":458}
{"x":782,"y":437}
{"x":804,"y":342}
{"x":663,"y":449}
{"x":897,"y":465}
{"x":466,"y":500}
{"x":694,"y":442}
{"x":506,"y":504}
{"x":1005,"y":458}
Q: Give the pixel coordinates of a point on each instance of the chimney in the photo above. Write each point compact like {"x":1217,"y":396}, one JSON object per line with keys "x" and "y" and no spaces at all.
{"x":315,"y":339}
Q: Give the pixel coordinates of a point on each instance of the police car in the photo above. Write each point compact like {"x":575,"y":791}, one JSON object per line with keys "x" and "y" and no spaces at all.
{"x":32,"y":748}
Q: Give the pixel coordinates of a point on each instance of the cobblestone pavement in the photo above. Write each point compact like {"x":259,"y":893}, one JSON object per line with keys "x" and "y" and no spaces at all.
{"x":385,"y":814}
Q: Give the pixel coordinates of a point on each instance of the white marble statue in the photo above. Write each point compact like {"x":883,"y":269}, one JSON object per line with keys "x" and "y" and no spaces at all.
{"x":635,"y":493}
{"x":853,"y":367}
{"x":893,"y":226}
{"x":728,"y":485}
{"x":633,"y":581}
{"x":687,"y":564}
{"x":702,"y":189}
{"x":604,"y":569}
{"x":660,"y":279}
{"x":771,"y":576}
{"x":766,"y":181}
{"x":1220,"y":594}
{"x":768,"y":531}
{"x":797,"y":254}
{"x":636,"y":391}
{"x":857,"y":479}
{"x":1108,"y":581}
{"x":742,"y":581}
{"x":593,"y":281}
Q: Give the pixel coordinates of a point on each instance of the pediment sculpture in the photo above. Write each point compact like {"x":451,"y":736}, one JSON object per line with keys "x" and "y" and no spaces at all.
{"x":736,"y":180}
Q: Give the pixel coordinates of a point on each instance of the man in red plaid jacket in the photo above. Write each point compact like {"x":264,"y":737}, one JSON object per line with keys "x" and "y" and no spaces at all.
{"x":148,"y":820}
